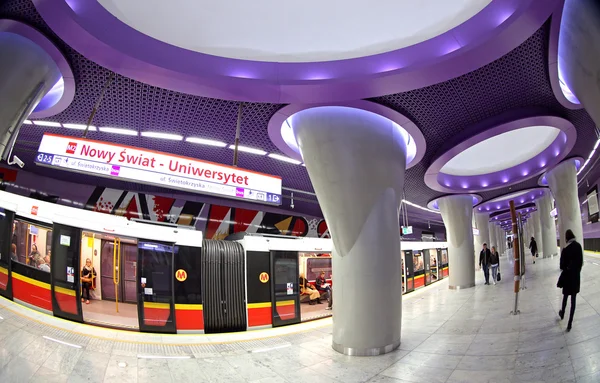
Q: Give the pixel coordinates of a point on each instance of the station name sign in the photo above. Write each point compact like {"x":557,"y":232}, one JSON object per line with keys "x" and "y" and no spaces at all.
{"x":105,"y":159}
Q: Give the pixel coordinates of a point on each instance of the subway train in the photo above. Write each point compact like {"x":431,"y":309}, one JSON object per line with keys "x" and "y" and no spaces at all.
{"x":109,"y":271}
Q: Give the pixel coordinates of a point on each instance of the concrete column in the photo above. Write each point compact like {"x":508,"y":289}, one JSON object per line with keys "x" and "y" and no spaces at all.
{"x":563,"y":183}
{"x":457,"y":214}
{"x":547,"y":225}
{"x":27,"y":73}
{"x":501,"y":242}
{"x":537,"y":230}
{"x":492,"y":229}
{"x":481,"y":223}
{"x":356,"y":161}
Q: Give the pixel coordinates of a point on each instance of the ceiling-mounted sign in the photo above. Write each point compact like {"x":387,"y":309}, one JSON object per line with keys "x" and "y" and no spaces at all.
{"x":406,"y":230}
{"x":122,"y":162}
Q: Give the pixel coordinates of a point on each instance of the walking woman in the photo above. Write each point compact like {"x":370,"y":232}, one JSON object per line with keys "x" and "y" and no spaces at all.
{"x":495,"y":262}
{"x":88,"y":273}
{"x":533,"y":248}
{"x":571,"y":262}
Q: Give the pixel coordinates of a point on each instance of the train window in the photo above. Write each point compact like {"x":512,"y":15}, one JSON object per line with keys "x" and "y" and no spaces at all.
{"x":33,"y":244}
{"x":187,"y":273}
{"x":418,"y":261}
{"x":314,"y":266}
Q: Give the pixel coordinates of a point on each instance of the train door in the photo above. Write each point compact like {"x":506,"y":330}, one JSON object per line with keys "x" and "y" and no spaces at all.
{"x":156,"y":303}
{"x":409,"y":270}
{"x":108,"y":265}
{"x":65,"y":272}
{"x":440,"y":264}
{"x":433,"y":265}
{"x":427,"y":266}
{"x":285,"y":294}
{"x":7,"y":251}
{"x":402,"y":272}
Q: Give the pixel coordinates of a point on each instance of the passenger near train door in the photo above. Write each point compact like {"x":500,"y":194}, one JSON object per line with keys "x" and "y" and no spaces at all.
{"x":285,"y":293}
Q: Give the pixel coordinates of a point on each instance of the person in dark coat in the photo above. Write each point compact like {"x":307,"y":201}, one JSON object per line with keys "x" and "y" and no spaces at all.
{"x":533,"y":248}
{"x":484,"y":261}
{"x":571,"y":262}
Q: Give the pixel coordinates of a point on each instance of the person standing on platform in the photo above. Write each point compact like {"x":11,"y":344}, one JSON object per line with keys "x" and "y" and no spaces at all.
{"x":533,"y":248}
{"x":495,"y":263}
{"x":484,"y":261}
{"x":571,"y":262}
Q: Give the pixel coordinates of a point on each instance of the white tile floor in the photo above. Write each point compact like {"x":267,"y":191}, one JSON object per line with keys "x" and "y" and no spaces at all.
{"x":447,"y":336}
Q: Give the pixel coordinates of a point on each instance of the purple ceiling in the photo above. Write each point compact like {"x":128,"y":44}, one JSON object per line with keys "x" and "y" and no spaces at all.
{"x":518,"y":80}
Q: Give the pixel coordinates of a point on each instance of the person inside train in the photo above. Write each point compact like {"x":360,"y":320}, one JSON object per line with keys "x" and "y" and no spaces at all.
{"x":307,"y":289}
{"x":324,"y":289}
{"x":13,"y":252}
{"x":87,"y":277}
{"x":35,"y":258}
{"x":46,"y":265}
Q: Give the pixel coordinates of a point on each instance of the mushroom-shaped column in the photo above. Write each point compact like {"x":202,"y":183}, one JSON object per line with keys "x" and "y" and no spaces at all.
{"x":547,"y":226}
{"x":27,"y":73}
{"x":579,"y":55}
{"x":356,"y":161}
{"x":563,"y":184}
{"x":457,"y":214}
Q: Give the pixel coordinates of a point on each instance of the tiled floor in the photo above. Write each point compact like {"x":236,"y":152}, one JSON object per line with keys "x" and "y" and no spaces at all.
{"x":447,"y":336}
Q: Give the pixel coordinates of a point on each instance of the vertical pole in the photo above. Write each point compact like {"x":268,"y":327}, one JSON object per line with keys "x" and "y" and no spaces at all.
{"x":516,"y":248}
{"x":237,"y":135}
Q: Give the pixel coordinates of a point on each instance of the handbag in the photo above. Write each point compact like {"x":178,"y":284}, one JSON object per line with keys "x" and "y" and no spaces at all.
{"x":561,"y":280}
{"x":499,"y":277}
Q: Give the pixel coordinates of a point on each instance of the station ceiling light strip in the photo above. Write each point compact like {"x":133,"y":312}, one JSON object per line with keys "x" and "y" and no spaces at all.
{"x":587,"y":161}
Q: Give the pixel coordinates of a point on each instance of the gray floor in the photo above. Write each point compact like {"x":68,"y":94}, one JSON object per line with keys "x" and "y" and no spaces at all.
{"x":448,"y":336}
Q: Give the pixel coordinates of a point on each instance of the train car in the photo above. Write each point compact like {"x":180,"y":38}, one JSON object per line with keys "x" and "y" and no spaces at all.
{"x":274,"y":265}
{"x":109,"y":271}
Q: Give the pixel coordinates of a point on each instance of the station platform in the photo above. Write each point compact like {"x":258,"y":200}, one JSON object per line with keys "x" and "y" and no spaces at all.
{"x":447,"y":336}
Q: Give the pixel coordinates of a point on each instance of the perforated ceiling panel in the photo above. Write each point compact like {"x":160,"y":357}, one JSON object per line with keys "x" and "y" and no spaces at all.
{"x":517,"y":80}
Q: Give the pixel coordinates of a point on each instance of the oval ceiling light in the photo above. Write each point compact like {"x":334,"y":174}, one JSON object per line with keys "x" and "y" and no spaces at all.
{"x":204,"y":141}
{"x":284,"y":159}
{"x":125,"y":132}
{"x":92,"y":128}
{"x":247,"y":149}
{"x":163,"y":136}
{"x":51,"y":124}
{"x":532,"y":143}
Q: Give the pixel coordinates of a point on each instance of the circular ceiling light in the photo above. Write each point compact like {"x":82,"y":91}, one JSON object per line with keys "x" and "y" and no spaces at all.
{"x":501,"y":155}
{"x":281,"y":129}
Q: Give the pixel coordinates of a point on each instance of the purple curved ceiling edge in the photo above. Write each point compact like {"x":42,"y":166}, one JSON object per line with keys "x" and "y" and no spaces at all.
{"x":45,"y":109}
{"x":553,"y":65}
{"x":433,"y":204}
{"x":501,"y":202}
{"x":578,"y":162}
{"x":274,"y":126}
{"x":518,"y":173}
{"x":101,"y":37}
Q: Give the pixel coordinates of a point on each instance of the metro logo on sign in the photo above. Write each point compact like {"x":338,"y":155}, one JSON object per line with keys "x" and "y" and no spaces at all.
{"x":113,"y":160}
{"x":34,"y":210}
{"x":71,"y":148}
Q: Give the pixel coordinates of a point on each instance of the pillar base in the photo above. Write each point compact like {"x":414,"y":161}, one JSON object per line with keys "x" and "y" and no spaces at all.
{"x":351,"y":351}
{"x":467,"y":286}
